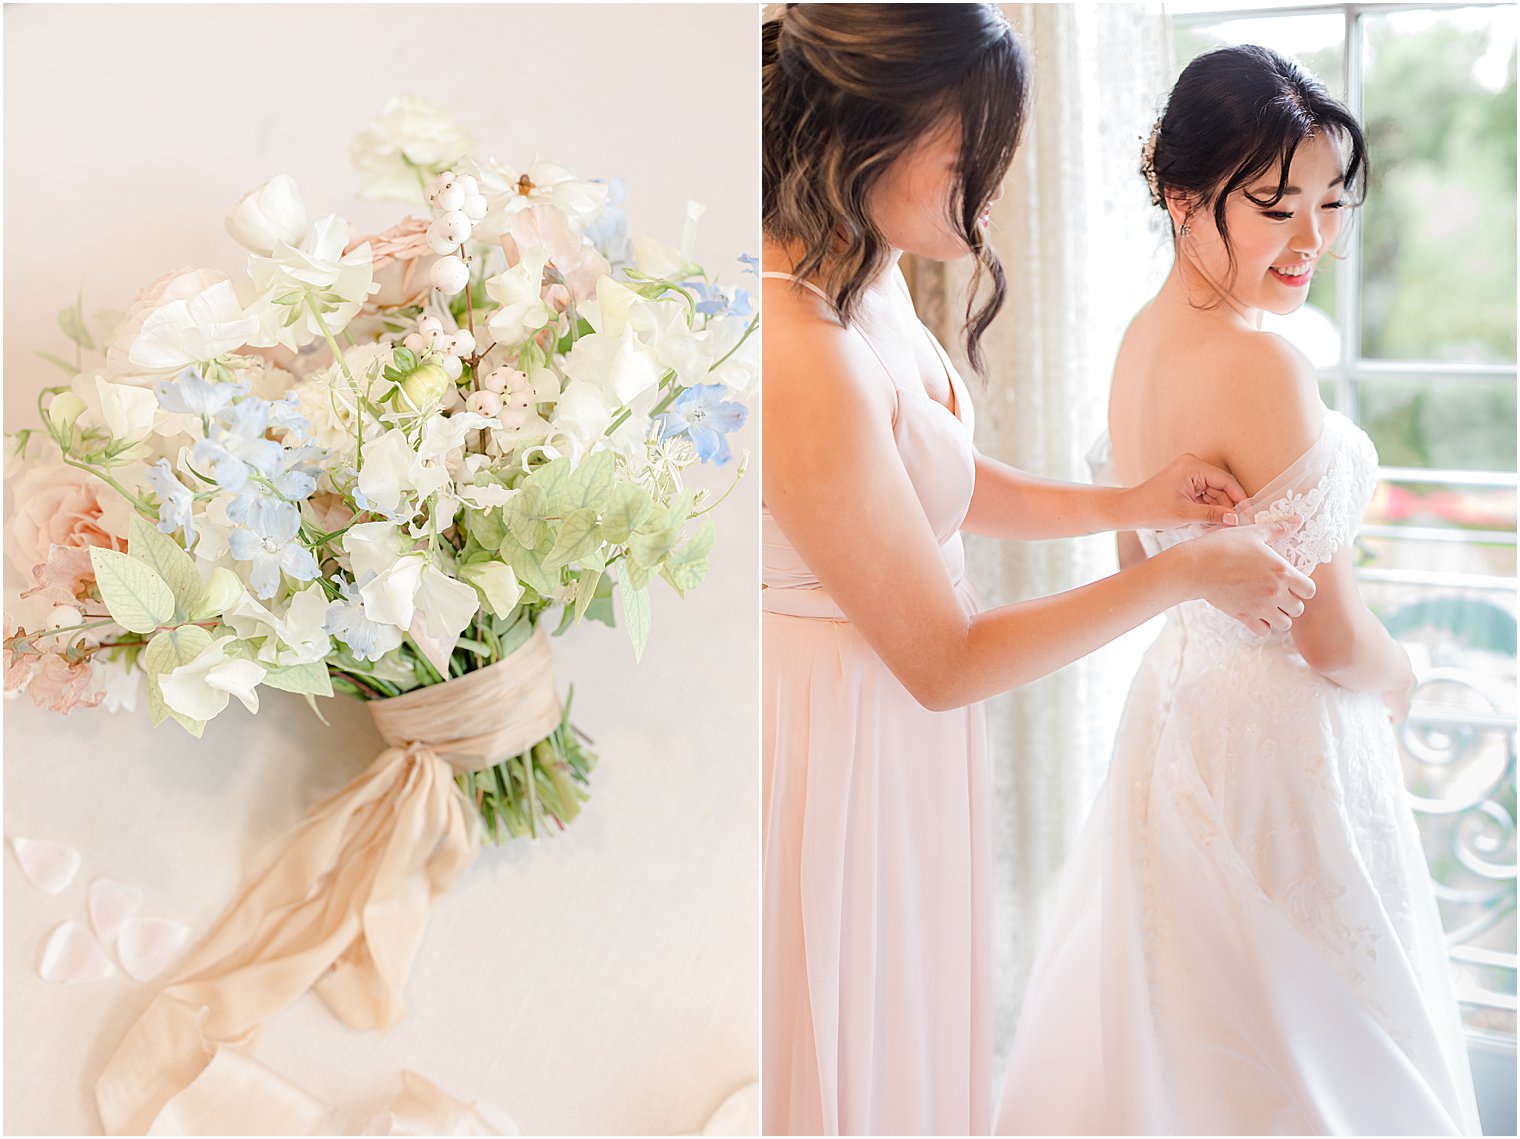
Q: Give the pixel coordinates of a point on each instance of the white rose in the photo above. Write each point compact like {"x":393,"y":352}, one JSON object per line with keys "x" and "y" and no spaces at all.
{"x":268,"y":215}
{"x":412,"y":133}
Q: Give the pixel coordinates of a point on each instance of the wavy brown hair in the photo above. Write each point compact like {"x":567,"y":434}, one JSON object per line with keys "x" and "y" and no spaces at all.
{"x":848,"y":88}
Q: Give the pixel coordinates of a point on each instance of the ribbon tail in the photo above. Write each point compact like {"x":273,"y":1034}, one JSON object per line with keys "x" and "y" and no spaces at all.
{"x":341,"y":904}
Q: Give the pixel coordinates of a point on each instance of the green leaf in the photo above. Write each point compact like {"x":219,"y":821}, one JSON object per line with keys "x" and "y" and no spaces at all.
{"x":494,"y":580}
{"x":71,"y":320}
{"x":577,"y":538}
{"x":635,"y":610}
{"x":177,"y":569}
{"x":310,"y":679}
{"x":405,"y":359}
{"x":586,"y":588}
{"x":688,"y":566}
{"x":485,"y":528}
{"x":650,"y":546}
{"x":601,"y":608}
{"x":166,"y":652}
{"x":627,"y":508}
{"x":528,"y":565}
{"x":589,"y":485}
{"x":56,"y":362}
{"x":523,"y":514}
{"x":550,"y":480}
{"x":139,"y":600}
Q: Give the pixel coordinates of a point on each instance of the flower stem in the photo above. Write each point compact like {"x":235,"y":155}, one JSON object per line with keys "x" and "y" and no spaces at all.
{"x":337,"y":354}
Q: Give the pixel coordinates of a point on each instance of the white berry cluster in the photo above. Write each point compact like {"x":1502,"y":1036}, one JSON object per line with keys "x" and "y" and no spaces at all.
{"x":449,"y":349}
{"x":505,"y":393}
{"x":457,"y":206}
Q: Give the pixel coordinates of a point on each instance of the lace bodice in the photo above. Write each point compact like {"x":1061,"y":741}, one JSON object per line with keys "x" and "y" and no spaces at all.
{"x":1329,"y":486}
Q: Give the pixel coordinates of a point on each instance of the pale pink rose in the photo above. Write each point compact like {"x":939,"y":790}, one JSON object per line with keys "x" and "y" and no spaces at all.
{"x":329,"y":511}
{"x":180,"y":285}
{"x":400,"y":260}
{"x":58,"y":505}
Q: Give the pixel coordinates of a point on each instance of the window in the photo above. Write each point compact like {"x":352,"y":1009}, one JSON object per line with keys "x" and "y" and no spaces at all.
{"x":1413,"y":335}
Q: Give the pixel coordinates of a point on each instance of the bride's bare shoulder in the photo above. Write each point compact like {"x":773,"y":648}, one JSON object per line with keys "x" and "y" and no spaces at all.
{"x":1275,"y":409}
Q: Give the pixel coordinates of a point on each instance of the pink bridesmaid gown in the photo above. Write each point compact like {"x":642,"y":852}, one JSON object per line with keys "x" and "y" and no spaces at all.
{"x":877,"y":967}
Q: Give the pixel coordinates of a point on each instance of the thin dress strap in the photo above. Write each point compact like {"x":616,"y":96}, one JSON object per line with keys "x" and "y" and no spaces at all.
{"x":798,"y":280}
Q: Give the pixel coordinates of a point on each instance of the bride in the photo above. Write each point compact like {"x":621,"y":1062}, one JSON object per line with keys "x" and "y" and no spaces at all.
{"x":1248,"y":941}
{"x":888,"y":128}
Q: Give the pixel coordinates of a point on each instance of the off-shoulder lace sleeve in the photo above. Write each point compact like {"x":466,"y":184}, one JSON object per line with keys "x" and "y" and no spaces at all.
{"x":1329,"y":486}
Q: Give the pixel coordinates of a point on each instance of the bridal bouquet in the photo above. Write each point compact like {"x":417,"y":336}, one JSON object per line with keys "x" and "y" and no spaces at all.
{"x":373,"y":464}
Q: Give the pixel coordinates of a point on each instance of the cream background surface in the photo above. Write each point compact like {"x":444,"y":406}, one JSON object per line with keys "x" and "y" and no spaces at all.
{"x":602,"y":981}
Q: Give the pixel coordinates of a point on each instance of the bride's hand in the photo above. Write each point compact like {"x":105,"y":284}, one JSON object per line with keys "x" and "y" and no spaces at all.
{"x":1239,"y":574}
{"x":1186,"y":490}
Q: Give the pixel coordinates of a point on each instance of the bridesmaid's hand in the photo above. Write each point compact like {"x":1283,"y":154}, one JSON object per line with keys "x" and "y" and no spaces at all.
{"x":1186,"y":490}
{"x":1240,"y":574}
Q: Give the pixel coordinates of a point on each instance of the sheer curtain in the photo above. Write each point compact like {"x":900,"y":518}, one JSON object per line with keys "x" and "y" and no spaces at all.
{"x":1083,"y":249}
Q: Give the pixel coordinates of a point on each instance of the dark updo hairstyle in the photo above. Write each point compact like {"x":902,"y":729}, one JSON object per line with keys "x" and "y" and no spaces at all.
{"x":1234,"y":113}
{"x":848,"y":88}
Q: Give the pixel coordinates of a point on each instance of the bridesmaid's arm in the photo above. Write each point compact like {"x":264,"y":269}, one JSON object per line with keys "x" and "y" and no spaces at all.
{"x":1131,"y":552}
{"x":835,"y":484}
{"x":1010,"y":503}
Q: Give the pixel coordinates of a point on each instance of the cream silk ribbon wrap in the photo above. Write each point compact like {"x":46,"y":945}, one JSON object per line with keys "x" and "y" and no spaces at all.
{"x":340,"y":905}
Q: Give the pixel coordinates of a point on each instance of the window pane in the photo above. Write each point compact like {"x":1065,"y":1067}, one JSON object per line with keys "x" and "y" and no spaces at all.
{"x":1438,"y":248}
{"x":1315,"y":41}
{"x":1451,"y":424}
{"x":1382,"y":551}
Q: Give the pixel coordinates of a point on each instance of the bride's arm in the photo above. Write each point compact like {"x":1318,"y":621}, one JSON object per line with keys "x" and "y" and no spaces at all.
{"x":1010,"y":503}
{"x":835,"y":484}
{"x":1337,"y":634}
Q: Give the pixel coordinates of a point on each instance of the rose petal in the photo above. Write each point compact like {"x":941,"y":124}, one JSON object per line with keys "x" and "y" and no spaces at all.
{"x":49,"y":866}
{"x":112,"y":905}
{"x":72,"y":956}
{"x":147,"y":945}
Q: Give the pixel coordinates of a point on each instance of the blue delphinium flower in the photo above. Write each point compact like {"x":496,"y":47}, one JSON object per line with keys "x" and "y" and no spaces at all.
{"x":235,"y":444}
{"x":267,"y":538}
{"x":608,"y":231}
{"x":714,"y":301}
{"x":705,"y":417}
{"x":192,"y":394}
{"x":366,"y":639}
{"x":176,"y":505}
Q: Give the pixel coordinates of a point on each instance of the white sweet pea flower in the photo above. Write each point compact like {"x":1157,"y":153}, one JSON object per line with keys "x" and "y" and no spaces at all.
{"x":445,"y":605}
{"x":395,"y":473}
{"x":201,"y":320}
{"x":623,"y":367}
{"x":184,"y":332}
{"x":373,"y":547}
{"x":661,"y":324}
{"x":411,"y":134}
{"x":319,"y":265}
{"x":583,"y":414}
{"x":390,"y":596}
{"x":269,"y":215}
{"x":519,"y":292}
{"x":496,"y":583}
{"x":127,"y":411}
{"x":295,"y":636}
{"x":202,"y":688}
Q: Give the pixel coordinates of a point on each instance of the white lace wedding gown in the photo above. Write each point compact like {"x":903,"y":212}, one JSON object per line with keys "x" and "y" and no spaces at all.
{"x":1248,"y":941}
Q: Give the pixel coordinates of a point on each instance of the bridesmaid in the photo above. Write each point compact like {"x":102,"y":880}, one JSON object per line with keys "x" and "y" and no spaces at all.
{"x":888,"y":128}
